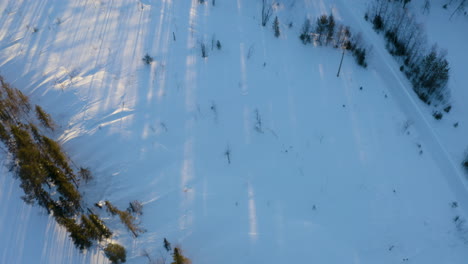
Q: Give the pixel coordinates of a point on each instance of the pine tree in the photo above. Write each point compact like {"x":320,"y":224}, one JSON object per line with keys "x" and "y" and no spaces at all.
{"x":178,"y":258}
{"x":126,"y":218}
{"x":276,"y":27}
{"x":94,"y":227}
{"x":44,"y":117}
{"x":321,"y":27}
{"x":167,"y":245}
{"x":305,"y":32}
{"x":204,"y":51}
{"x":77,"y":234}
{"x":116,"y":253}
{"x":135,"y":207}
{"x":330,"y":28}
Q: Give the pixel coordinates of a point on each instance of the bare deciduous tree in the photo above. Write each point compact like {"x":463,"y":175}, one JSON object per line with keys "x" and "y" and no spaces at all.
{"x":227,"y":153}
{"x":258,"y":122}
{"x":85,"y":174}
{"x":203,"y":50}
{"x":266,"y":12}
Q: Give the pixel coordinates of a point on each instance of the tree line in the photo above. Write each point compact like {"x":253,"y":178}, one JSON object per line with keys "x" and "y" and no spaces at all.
{"x":326,"y":31}
{"x":49,"y":181}
{"x":45,"y":172}
{"x":425,"y":67}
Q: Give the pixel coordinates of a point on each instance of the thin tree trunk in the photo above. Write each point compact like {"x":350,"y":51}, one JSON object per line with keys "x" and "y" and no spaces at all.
{"x":462,"y":3}
{"x":341,"y":62}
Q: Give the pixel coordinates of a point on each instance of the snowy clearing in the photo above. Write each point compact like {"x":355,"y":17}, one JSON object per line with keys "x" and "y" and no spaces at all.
{"x":256,"y":153}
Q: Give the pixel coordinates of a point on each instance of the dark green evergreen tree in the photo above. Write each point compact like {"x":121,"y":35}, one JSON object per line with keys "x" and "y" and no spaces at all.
{"x":276,"y":27}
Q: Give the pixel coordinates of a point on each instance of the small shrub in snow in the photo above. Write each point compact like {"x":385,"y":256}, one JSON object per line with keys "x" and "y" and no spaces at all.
{"x":227,"y":153}
{"x":218,"y":45}
{"x":136,"y":207}
{"x":258,"y":122}
{"x":85,"y":174}
{"x":148,"y":59}
{"x":377,"y":22}
{"x":437,"y":115}
{"x":204,"y":52}
{"x":250,"y":52}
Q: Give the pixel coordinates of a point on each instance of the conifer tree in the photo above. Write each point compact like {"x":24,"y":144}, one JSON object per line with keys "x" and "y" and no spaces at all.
{"x":276,"y":27}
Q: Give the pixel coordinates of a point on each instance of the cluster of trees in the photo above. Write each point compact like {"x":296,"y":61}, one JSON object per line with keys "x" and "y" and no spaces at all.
{"x":176,"y":253}
{"x":92,"y":229}
{"x":49,"y":181}
{"x":426,"y":68}
{"x":39,"y":162}
{"x":215,"y":43}
{"x":43,"y":168}
{"x":85,"y":233}
{"x":326,"y":31}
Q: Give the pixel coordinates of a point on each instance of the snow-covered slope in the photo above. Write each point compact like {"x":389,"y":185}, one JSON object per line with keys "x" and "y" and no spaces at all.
{"x":334,"y":173}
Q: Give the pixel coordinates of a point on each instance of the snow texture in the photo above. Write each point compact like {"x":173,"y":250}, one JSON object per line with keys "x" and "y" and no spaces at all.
{"x":256,"y":153}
